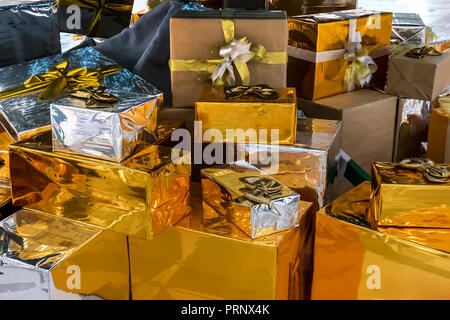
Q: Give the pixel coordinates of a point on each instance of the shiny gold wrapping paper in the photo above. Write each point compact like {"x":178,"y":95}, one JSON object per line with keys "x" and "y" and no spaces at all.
{"x":353,"y":261}
{"x":207,"y":257}
{"x":44,"y":256}
{"x":438,"y":148}
{"x":249,"y":112}
{"x":140,"y":196}
{"x":404,"y":198}
{"x":321,"y":79}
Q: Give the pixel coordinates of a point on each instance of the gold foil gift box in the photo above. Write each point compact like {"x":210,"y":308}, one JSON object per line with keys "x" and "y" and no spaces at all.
{"x":225,"y":48}
{"x":332,"y":53}
{"x":47,"y":257}
{"x":438,"y":148}
{"x":25,"y":97}
{"x":410,"y":197}
{"x":248,"y":118}
{"x":354,"y":261}
{"x":252,"y":200}
{"x":102,"y":124}
{"x":140,"y":196}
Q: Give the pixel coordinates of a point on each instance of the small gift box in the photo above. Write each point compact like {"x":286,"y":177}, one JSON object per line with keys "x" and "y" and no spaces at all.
{"x":420,"y":73}
{"x":95,"y":18}
{"x":438,"y":148}
{"x":270,"y":115}
{"x":296,"y":7}
{"x":332,"y":53}
{"x":407,"y":29}
{"x":412,"y":193}
{"x":28,"y":31}
{"x":352,"y":260}
{"x":47,"y":257}
{"x":140,"y":196}
{"x":252,"y":200}
{"x":105,"y":125}
{"x":225,"y":48}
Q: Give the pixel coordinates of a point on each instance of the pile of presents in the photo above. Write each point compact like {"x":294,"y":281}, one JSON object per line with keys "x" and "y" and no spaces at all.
{"x":243,"y":188}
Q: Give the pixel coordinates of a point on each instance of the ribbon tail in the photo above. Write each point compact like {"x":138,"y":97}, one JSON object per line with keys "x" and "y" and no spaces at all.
{"x":54,"y":89}
{"x":219,"y":71}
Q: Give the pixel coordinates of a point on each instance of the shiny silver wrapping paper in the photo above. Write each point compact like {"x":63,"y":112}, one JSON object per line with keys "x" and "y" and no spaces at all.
{"x":407,"y":28}
{"x":310,"y":166}
{"x":109,"y":133}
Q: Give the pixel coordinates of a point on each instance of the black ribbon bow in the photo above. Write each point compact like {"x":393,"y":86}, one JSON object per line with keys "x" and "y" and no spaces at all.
{"x":431,"y":171}
{"x":260,"y":190}
{"x":95,"y":96}
{"x":261,"y":90}
{"x":419,"y":53}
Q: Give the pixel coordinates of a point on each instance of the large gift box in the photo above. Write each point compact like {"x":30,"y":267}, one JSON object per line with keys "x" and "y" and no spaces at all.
{"x":269,"y":120}
{"x":296,"y":7}
{"x":207,"y":257}
{"x":332,"y":53}
{"x":411,"y":194}
{"x":25,"y":98}
{"x":28,"y":30}
{"x":95,"y":18}
{"x":352,"y":260}
{"x":140,"y":196}
{"x":47,"y":257}
{"x":226,"y":48}
{"x":253,"y":201}
{"x":422,"y":76}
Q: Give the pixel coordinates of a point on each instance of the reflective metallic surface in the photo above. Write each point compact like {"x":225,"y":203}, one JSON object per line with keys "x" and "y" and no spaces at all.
{"x":107,"y":132}
{"x":407,"y":28}
{"x":222,"y":188}
{"x":404,"y":198}
{"x":354,"y":261}
{"x":47,"y":257}
{"x":140,"y":196}
{"x":296,"y":7}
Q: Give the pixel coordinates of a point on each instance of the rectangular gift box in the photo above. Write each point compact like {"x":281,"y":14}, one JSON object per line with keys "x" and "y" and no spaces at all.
{"x":28,"y":31}
{"x":310,"y":166}
{"x":196,"y":38}
{"x":407,"y":29}
{"x":318,"y":63}
{"x":253,"y":201}
{"x":207,"y":257}
{"x":405,"y":198}
{"x":23,"y":115}
{"x":354,"y":261}
{"x":414,"y":78}
{"x":106,"y":131}
{"x":96,"y":18}
{"x":262,"y":117}
{"x":48,"y":257}
{"x":438,"y":148}
{"x":296,"y":7}
{"x":140,"y":196}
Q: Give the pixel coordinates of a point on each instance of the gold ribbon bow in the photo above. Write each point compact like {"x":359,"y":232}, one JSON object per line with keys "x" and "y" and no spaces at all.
{"x":431,"y":171}
{"x":98,"y":6}
{"x":260,"y":190}
{"x":95,"y":96}
{"x":419,"y":53}
{"x":261,"y":90}
{"x":60,"y":78}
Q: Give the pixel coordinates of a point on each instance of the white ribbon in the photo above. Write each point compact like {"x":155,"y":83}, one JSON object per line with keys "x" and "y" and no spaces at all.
{"x":238,"y":51}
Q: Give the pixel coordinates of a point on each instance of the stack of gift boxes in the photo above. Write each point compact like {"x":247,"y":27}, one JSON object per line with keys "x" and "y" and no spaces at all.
{"x":108,"y":206}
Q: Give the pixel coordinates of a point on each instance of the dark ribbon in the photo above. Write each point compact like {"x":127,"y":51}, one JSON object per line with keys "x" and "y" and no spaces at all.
{"x":6,"y":237}
{"x":260,"y":190}
{"x":431,"y":171}
{"x":419,"y":53}
{"x":95,"y":96}
{"x":261,"y":90}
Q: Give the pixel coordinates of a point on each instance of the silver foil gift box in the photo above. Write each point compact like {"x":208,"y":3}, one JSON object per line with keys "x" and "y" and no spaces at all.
{"x":109,"y":131}
{"x":48,"y":257}
{"x":256,"y":203}
{"x":407,"y":28}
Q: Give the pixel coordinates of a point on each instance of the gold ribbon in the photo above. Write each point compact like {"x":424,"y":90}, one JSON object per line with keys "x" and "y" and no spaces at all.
{"x":95,"y":96}
{"x":444,"y":103}
{"x":60,"y":78}
{"x":431,"y":171}
{"x":260,"y":190}
{"x":261,"y":90}
{"x":98,"y":6}
{"x":419,"y":53}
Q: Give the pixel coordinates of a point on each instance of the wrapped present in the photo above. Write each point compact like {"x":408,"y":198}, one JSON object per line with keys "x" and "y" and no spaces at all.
{"x":368,"y":122}
{"x":140,"y":196}
{"x":270,"y":115}
{"x":207,"y":257}
{"x":225,"y":48}
{"x":102,"y":124}
{"x":253,"y":201}
{"x":412,"y":193}
{"x":95,"y":18}
{"x":28,"y":31}
{"x":297,"y":7}
{"x":246,"y":4}
{"x":310,"y":166}
{"x":438,"y":148}
{"x":332,"y":53}
{"x":407,"y":29}
{"x":420,"y":73}
{"x":25,"y":97}
{"x":411,"y":129}
{"x":354,"y":261}
{"x":48,"y":257}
